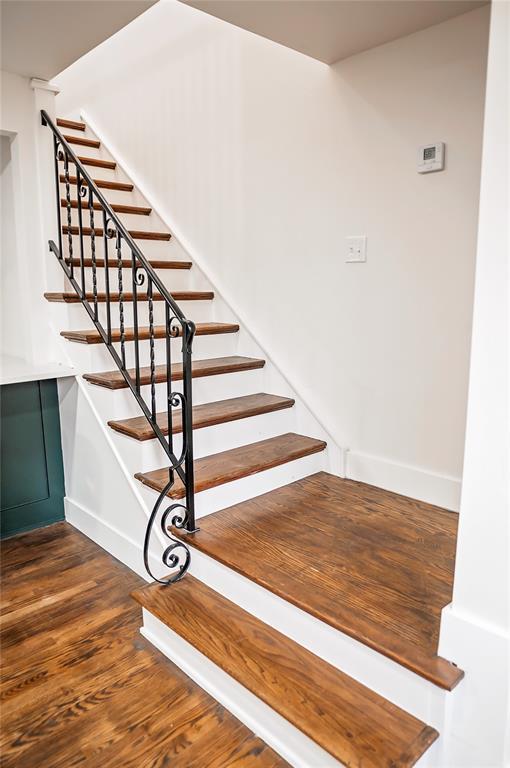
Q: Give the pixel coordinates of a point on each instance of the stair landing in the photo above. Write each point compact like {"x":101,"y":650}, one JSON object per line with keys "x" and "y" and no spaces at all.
{"x":374,"y":565}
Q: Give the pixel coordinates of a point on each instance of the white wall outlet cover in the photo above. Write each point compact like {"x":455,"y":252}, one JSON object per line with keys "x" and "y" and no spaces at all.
{"x":431,"y":157}
{"x":356,"y":249}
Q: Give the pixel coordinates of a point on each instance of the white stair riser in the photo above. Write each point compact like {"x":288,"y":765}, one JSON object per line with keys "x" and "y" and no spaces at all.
{"x":142,"y":456}
{"x":299,"y":750}
{"x":73,"y":316}
{"x":120,"y":403}
{"x":172,"y":279}
{"x":151,"y":249}
{"x":237,"y":491}
{"x":96,"y":357}
{"x":407,"y":690}
{"x":129,"y":220}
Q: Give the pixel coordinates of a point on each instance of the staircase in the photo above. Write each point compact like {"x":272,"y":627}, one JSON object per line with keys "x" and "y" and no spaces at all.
{"x":313,"y":603}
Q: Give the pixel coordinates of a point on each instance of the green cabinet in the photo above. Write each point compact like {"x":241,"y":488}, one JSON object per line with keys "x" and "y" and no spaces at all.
{"x":31,"y":470}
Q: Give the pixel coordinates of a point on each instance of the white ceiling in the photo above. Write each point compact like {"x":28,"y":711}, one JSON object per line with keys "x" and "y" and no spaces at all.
{"x":40,"y":38}
{"x":329,"y":30}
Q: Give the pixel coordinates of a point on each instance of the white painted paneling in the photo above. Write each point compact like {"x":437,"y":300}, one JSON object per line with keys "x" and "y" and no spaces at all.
{"x":262,"y":161}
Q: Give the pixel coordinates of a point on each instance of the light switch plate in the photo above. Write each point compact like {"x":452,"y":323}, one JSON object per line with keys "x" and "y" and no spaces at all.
{"x":356,"y":249}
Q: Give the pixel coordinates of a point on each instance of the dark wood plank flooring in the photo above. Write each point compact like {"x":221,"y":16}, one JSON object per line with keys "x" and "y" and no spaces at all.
{"x":373,"y":564}
{"x":80,"y":686}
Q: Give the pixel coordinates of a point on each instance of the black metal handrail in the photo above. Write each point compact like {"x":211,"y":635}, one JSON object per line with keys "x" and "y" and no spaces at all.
{"x":89,"y":197}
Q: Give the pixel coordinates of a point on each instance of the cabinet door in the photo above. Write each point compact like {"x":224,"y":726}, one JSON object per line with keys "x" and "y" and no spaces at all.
{"x":31,"y":469}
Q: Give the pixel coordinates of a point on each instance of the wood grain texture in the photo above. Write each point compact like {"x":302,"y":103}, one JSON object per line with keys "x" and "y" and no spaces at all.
{"x":212,"y":366}
{"x":351,"y":722}
{"x":80,"y":687}
{"x":226,"y":466}
{"x":102,"y":183}
{"x":76,"y":125}
{"x":82,"y":141}
{"x":136,"y":234}
{"x":65,"y":297}
{"x":127,"y":263}
{"x":205,"y":415}
{"x":91,"y":336}
{"x":136,"y":210}
{"x":96,"y":162}
{"x":373,"y":564}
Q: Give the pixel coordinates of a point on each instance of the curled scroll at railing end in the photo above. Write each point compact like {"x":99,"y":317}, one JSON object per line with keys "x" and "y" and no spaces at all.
{"x":176,"y":555}
{"x":171,"y":559}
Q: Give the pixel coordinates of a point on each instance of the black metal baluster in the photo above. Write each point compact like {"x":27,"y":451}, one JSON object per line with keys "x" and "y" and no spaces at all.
{"x":106,"y":233}
{"x":69,"y":211}
{"x":93,"y":253}
{"x":56,"y":153}
{"x":188,"y":332}
{"x":169,"y":415}
{"x":137,"y":279}
{"x":121,"y":299}
{"x":151,"y":345}
{"x":80,"y":192}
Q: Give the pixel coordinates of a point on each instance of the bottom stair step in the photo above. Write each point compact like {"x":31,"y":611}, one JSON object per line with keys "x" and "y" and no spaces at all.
{"x":224,"y":467}
{"x":355,"y":725}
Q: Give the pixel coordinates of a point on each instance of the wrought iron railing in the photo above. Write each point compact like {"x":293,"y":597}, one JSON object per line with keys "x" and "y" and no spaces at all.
{"x":126,"y":347}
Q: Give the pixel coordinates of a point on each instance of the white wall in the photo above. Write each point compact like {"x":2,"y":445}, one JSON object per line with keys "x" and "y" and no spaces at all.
{"x":264,"y":160}
{"x":476,"y":627}
{"x":27,"y":348}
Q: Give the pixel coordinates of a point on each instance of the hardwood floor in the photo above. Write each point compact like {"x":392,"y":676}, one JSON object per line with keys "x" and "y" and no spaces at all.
{"x":80,"y":686}
{"x":373,"y":564}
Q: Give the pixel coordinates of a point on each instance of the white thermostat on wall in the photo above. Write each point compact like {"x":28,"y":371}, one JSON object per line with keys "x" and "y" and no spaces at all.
{"x":431,"y":157}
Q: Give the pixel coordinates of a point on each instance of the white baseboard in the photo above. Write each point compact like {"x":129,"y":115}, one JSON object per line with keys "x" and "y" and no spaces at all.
{"x":418,"y":483}
{"x":299,"y":750}
{"x":108,"y":537}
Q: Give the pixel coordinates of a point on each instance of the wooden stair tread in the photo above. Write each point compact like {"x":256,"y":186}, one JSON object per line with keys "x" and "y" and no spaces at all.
{"x":127,"y":263}
{"x":76,"y":125}
{"x":102,"y":183}
{"x":212,"y":366}
{"x":96,"y":162}
{"x":379,"y":566}
{"x":354,"y":724}
{"x":205,"y":415}
{"x":136,"y":234}
{"x":82,"y":141}
{"x":91,"y":336}
{"x":68,"y":297}
{"x":136,"y":210}
{"x":236,"y":463}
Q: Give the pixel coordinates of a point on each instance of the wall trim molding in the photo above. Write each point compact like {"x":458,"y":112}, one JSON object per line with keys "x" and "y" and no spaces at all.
{"x":416,"y":482}
{"x":43,"y":85}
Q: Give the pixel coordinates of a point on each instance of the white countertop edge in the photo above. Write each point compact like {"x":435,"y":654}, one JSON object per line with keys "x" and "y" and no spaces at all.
{"x":15,"y":370}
